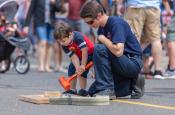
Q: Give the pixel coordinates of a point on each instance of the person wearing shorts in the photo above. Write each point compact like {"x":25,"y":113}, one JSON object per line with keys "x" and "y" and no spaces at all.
{"x":144,"y":18}
{"x":170,"y":72}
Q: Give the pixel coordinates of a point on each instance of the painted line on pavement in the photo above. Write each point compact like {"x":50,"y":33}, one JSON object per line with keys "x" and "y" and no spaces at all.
{"x":145,"y":104}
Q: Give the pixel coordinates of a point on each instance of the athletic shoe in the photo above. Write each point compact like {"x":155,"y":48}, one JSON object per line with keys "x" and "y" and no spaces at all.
{"x":71,"y":92}
{"x":107,"y":92}
{"x":169,"y":74}
{"x":158,"y":75}
{"x":82,"y":92}
{"x":139,"y":88}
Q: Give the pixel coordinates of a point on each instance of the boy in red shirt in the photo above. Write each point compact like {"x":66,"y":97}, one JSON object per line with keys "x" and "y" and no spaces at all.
{"x":80,"y":50}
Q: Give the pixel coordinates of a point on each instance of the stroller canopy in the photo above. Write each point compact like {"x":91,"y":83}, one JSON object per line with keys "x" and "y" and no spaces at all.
{"x":9,"y":8}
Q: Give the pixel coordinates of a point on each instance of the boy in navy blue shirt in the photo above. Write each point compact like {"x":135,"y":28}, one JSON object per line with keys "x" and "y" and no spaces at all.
{"x":80,"y":50}
{"x":117,"y":56}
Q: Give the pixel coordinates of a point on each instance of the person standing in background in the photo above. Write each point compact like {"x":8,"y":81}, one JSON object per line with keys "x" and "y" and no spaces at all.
{"x":43,"y":13}
{"x":73,"y":17}
{"x":22,"y":11}
{"x":144,"y":18}
{"x":170,"y":72}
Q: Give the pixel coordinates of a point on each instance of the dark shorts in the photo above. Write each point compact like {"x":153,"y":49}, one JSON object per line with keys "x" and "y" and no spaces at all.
{"x":71,"y":69}
{"x":147,"y":51}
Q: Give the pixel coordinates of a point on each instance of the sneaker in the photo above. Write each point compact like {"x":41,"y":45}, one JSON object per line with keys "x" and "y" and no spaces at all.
{"x":169,"y":74}
{"x":82,"y":92}
{"x":139,"y":88}
{"x":71,"y":92}
{"x":107,"y":92}
{"x":158,"y":75}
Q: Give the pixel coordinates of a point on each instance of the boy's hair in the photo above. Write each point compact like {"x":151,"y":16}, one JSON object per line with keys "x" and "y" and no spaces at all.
{"x":61,"y":30}
{"x":90,"y":9}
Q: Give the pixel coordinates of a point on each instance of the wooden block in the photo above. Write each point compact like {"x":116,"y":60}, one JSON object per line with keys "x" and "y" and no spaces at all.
{"x":78,"y":100}
{"x":36,"y":99}
{"x":50,"y":97}
{"x":52,"y":94}
{"x":40,"y":98}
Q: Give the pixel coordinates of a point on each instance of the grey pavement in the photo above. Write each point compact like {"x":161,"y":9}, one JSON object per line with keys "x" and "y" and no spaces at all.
{"x":159,"y":98}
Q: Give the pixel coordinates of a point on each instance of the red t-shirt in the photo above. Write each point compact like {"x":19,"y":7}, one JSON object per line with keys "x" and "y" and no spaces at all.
{"x":79,"y":41}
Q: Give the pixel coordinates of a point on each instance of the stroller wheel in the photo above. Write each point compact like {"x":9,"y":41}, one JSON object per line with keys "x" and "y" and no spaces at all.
{"x":22,"y":64}
{"x":5,"y":65}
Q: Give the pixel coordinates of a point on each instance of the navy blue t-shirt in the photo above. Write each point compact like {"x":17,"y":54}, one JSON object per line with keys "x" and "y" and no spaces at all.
{"x":79,"y":41}
{"x":119,"y":31}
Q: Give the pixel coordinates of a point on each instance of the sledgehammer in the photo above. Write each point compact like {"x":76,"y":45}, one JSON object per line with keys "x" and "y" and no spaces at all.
{"x":65,"y":82}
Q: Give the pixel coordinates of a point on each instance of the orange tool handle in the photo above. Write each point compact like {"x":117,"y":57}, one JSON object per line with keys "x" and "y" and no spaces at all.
{"x":88,"y":66}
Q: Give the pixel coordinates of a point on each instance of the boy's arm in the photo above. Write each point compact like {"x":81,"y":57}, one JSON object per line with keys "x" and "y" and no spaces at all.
{"x":84,"y":56}
{"x":84,"y":59}
{"x":73,"y":57}
{"x":116,"y":49}
{"x":75,"y":60}
{"x":80,"y":41}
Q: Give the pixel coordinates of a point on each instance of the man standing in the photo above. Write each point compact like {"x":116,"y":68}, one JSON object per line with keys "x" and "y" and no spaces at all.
{"x":144,"y":18}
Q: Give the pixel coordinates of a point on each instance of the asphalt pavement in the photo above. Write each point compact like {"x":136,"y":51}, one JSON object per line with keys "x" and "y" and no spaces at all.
{"x":159,"y":98}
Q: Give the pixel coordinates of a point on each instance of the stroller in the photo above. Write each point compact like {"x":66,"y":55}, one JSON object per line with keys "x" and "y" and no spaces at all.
{"x":9,"y":40}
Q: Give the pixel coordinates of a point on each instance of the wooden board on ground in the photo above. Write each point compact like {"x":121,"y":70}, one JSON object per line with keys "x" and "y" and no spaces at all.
{"x":57,"y":98}
{"x":40,"y":98}
{"x":78,"y":100}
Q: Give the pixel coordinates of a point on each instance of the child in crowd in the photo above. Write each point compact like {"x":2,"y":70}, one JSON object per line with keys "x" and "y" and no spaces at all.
{"x":6,"y":28}
{"x":80,"y":50}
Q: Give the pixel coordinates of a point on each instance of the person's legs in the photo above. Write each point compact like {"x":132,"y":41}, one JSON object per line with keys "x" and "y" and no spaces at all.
{"x":83,"y":84}
{"x":157,"y":52}
{"x":41,"y":32}
{"x":73,"y":83}
{"x":83,"y":80}
{"x":126,"y":70}
{"x":102,"y":66}
{"x":49,"y":48}
{"x":170,"y":72}
{"x":114,"y":72}
{"x":41,"y":54}
{"x":48,"y":56}
{"x":147,"y":60}
{"x":171,"y":49}
{"x":171,"y":54}
{"x":71,"y":71}
{"x":103,"y":72}
{"x":58,"y":55}
{"x":152,"y":32}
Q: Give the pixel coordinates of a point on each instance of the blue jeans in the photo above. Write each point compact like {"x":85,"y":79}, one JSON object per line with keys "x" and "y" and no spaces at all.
{"x":114,"y":73}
